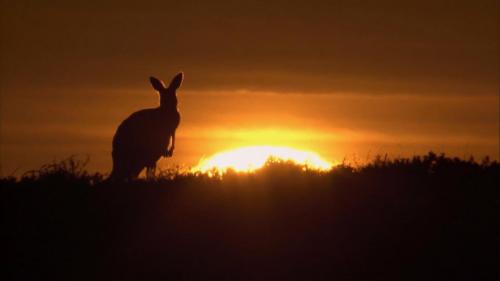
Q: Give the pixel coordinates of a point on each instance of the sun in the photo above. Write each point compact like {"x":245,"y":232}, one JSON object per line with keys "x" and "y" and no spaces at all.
{"x":251,"y":158}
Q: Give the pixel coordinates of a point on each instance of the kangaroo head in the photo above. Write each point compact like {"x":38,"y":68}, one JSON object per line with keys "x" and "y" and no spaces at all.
{"x":168,"y":96}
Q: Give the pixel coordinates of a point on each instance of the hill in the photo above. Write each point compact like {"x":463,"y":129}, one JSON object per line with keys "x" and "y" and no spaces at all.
{"x":424,"y":218}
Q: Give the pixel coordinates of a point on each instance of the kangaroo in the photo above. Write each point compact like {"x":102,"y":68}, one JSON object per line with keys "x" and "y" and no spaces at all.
{"x":144,"y":136}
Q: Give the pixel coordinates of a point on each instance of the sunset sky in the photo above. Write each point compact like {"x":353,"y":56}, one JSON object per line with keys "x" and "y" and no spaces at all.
{"x":346,"y":79}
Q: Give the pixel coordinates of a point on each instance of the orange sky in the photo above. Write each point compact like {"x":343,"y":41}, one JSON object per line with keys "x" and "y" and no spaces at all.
{"x":350,"y":79}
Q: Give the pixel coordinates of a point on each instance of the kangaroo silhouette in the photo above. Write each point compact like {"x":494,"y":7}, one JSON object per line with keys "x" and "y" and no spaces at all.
{"x":144,"y":136}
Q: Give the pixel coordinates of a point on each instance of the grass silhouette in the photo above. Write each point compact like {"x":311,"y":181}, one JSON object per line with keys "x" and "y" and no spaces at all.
{"x":421,"y":218}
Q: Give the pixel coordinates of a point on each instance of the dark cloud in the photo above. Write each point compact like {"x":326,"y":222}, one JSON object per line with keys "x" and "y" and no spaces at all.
{"x":418,"y":47}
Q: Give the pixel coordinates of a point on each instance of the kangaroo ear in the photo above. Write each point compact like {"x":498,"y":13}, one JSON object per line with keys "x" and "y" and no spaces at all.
{"x":177,"y":81}
{"x":157,"y":84}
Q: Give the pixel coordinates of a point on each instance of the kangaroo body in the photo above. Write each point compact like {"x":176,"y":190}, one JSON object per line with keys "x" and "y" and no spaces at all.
{"x":144,"y":137}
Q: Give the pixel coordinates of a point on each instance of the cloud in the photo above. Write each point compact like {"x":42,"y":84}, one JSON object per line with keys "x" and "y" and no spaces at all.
{"x":418,"y":47}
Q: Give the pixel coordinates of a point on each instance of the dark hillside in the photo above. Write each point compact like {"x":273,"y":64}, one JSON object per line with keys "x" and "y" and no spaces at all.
{"x":426,"y":218}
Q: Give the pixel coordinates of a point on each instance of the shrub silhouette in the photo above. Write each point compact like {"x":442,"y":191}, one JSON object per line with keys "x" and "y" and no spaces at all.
{"x":392,"y":219}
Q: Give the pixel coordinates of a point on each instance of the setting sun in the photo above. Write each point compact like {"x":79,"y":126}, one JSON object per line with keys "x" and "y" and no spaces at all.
{"x":251,"y":158}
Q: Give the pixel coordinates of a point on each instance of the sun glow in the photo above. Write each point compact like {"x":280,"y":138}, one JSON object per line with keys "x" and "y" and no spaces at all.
{"x":251,"y":158}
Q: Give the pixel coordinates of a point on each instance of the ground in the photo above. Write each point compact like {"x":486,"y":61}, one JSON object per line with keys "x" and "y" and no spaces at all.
{"x":427,"y":218}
